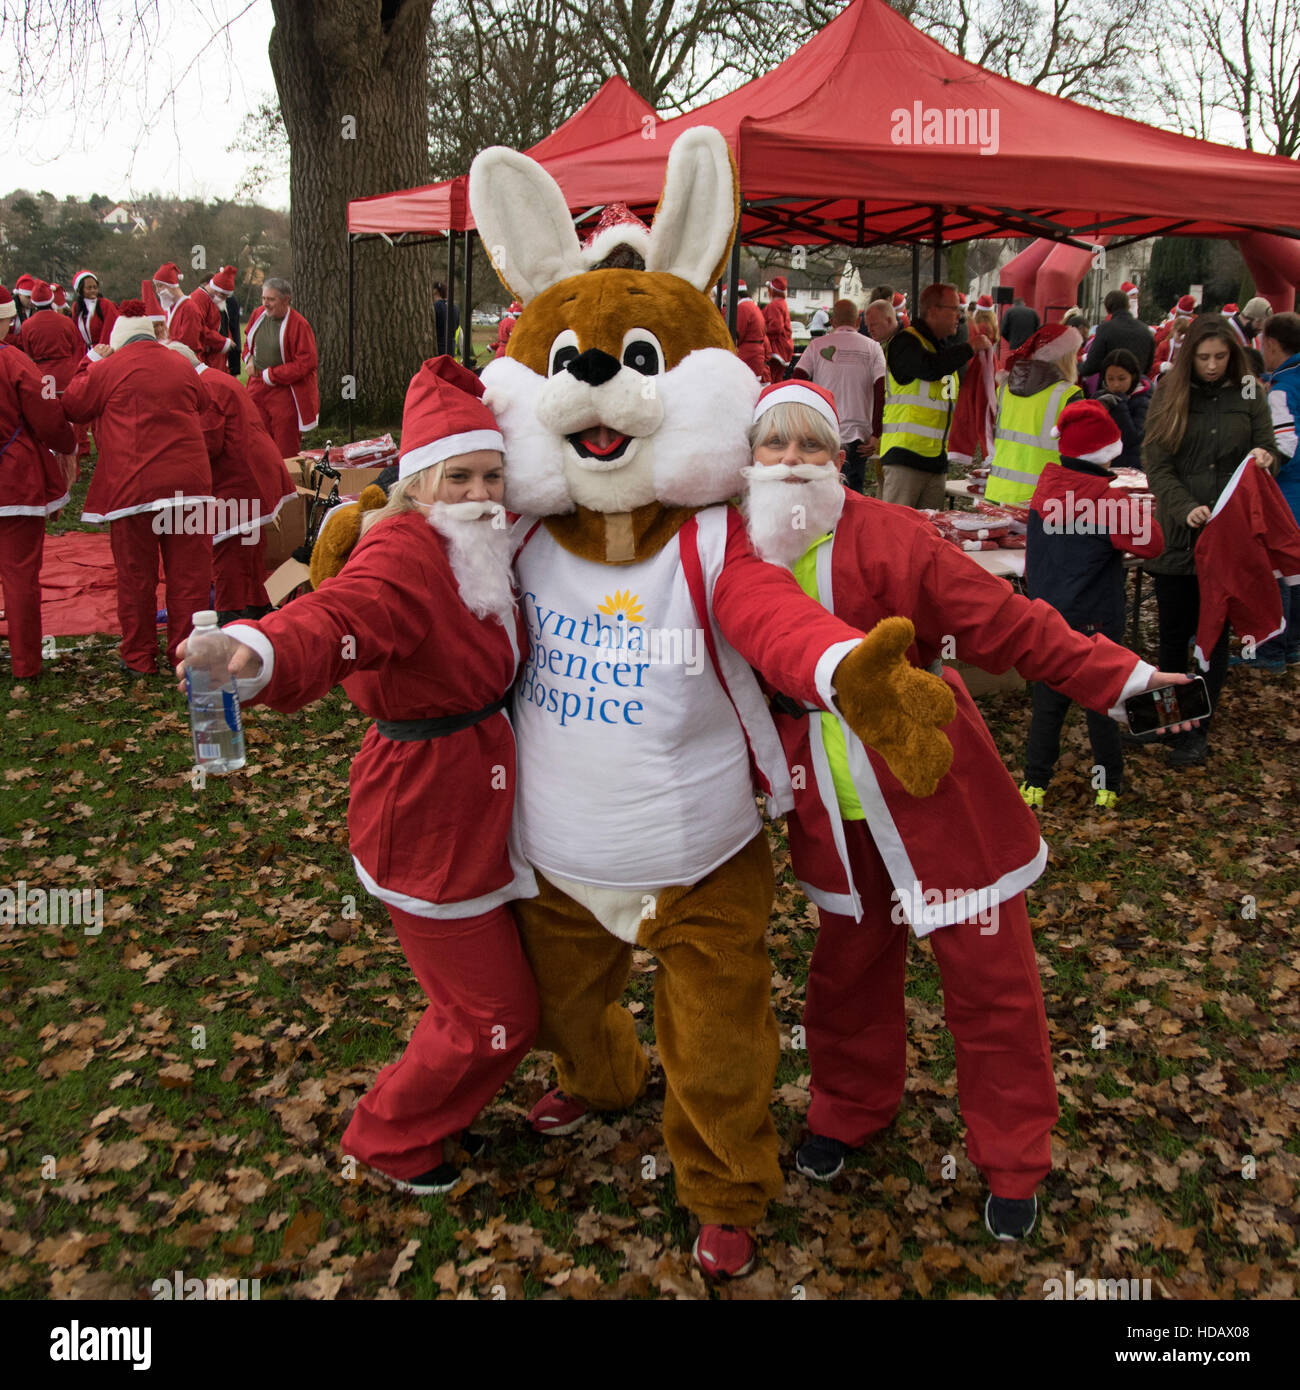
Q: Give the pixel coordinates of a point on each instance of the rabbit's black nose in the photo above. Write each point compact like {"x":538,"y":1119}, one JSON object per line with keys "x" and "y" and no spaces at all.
{"x":594,"y":367}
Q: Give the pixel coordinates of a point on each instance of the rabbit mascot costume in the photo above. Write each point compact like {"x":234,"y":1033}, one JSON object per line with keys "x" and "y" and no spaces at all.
{"x":641,"y":728}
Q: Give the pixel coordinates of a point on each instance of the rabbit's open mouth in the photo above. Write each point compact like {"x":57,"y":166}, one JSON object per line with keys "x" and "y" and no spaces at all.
{"x":602,"y":446}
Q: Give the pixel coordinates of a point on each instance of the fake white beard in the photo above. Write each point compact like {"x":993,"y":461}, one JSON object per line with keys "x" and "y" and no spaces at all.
{"x":786,"y":517}
{"x":479,"y":552}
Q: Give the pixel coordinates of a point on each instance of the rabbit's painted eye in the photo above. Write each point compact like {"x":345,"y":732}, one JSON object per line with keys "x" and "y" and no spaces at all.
{"x":641,"y":352}
{"x":563,"y":351}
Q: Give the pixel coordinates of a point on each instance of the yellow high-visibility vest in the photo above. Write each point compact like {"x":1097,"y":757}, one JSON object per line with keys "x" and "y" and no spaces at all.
{"x":917,"y":413}
{"x":1023,"y":444}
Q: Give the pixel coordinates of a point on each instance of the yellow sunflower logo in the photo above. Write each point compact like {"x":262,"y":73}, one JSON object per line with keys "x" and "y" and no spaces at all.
{"x":623,"y":603}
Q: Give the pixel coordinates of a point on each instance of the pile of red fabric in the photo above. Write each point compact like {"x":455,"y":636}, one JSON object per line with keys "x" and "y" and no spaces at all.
{"x":988,"y":527}
{"x":364,"y":453}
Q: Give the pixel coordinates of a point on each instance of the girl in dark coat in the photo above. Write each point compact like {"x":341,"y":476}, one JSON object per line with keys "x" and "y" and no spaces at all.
{"x":1126,"y":394}
{"x":1201,"y":425}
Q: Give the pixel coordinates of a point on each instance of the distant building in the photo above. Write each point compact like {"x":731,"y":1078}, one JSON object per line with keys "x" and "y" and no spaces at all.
{"x":121,"y":219}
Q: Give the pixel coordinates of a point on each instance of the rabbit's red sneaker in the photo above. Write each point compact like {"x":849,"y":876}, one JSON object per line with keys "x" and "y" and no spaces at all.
{"x":557,"y":1113}
{"x":724,"y":1252}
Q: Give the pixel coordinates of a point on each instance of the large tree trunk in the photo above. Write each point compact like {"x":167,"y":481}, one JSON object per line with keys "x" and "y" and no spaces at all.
{"x":352,"y":77}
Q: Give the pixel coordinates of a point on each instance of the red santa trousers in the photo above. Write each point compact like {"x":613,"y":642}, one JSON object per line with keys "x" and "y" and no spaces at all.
{"x":481,"y":1020}
{"x":279,"y":413}
{"x":856,"y":1026}
{"x":22,"y":543}
{"x":187,"y":571}
{"x":238,"y":573}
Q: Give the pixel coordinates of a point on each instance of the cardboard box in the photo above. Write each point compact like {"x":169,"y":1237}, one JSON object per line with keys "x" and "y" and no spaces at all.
{"x":286,"y":533}
{"x":285,"y":580}
{"x":981,"y":682}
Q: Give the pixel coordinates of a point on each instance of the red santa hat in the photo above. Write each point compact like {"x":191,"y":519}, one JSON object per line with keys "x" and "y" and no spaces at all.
{"x":778,"y":284}
{"x":515,"y":307}
{"x":1230,"y":309}
{"x":8,"y":309}
{"x":1128,"y":287}
{"x":985,"y":301}
{"x":167,"y":275}
{"x":1087,"y":432}
{"x":1186,"y":305}
{"x":42,"y":295}
{"x":444,"y":415}
{"x":23,"y":285}
{"x":152,"y":307}
{"x":796,"y":392}
{"x":132,"y":322}
{"x":617,"y":226}
{"x":80,"y":276}
{"x":1049,"y":344}
{"x":900,"y":300}
{"x":224,"y":279}
{"x":60,"y":296}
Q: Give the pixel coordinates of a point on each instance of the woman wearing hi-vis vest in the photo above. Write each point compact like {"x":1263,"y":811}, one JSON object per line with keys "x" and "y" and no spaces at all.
{"x":1039,"y":384}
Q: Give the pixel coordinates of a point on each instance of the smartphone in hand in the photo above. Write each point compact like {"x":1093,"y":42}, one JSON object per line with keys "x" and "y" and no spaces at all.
{"x":1157,"y":709}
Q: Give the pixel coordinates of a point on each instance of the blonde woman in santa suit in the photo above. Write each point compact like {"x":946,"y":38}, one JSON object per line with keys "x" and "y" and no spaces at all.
{"x":421,"y":629}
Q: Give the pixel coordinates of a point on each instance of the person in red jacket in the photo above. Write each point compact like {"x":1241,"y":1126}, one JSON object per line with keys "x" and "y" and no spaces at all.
{"x":421,"y":628}
{"x":151,"y":484}
{"x":251,"y":484}
{"x":280,"y":350}
{"x":874,"y":859}
{"x":751,"y":335}
{"x":8,"y":318}
{"x":49,"y":339}
{"x":184,"y":318}
{"x":208,"y":301}
{"x":776,"y":323}
{"x":93,"y":314}
{"x":506,"y":327}
{"x":36,"y":469}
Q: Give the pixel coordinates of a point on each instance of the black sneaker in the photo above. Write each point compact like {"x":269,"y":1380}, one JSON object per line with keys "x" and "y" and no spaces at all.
{"x":820,"y":1158}
{"x":1188,"y":750}
{"x":440,"y":1179}
{"x":1010,"y":1218}
{"x":472,"y":1143}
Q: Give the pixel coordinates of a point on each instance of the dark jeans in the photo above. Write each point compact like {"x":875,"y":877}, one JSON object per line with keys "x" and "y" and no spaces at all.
{"x":1178,"y":608}
{"x":855,"y":465}
{"x":1287,"y":642}
{"x":1043,"y":747}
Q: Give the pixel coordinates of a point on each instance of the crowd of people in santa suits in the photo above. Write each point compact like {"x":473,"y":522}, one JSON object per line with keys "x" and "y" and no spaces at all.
{"x":189,"y":463}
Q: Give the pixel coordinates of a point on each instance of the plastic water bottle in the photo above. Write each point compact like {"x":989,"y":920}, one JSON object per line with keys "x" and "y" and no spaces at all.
{"x":213,"y":697}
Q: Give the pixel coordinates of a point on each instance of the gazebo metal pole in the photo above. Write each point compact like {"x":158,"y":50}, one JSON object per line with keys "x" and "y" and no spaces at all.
{"x":467,"y":325}
{"x":916,"y":279}
{"x":352,"y":366}
{"x":938,"y":243}
{"x":733,"y":279}
{"x":449,"y":337}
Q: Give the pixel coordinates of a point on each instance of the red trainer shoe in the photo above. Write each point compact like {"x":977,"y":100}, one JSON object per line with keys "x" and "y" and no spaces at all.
{"x":724,"y":1251}
{"x":557,"y":1113}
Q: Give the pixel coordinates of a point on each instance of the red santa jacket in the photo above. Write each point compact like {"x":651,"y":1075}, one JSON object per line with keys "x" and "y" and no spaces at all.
{"x":776,"y":323}
{"x":974,"y":842}
{"x":1249,"y":543}
{"x":428,"y":821}
{"x":53,"y":344}
{"x":96,"y":328}
{"x":504,"y":329}
{"x":185,"y":325}
{"x":32,"y":423}
{"x":246,"y":465}
{"x":213,"y":343}
{"x":297,"y":370}
{"x":144,"y":402}
{"x":751,"y":338}
{"x":975,"y":416}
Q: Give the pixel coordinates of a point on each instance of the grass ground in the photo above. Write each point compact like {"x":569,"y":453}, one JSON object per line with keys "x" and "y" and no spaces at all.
{"x":173,"y":1090}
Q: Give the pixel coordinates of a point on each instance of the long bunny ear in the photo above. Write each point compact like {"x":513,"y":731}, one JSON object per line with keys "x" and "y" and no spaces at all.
{"x":524,"y":222}
{"x":696,"y":217}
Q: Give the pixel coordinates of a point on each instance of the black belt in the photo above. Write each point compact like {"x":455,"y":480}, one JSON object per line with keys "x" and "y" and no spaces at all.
{"x":417,"y":730}
{"x":787,"y":704}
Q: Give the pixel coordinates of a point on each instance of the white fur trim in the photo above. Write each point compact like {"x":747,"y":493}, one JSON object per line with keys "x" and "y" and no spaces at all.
{"x":535,"y":482}
{"x":261,"y":644}
{"x":1139,"y":679}
{"x":796,"y":393}
{"x":1060,"y":346}
{"x":703,"y":443}
{"x":624,"y":234}
{"x":524,"y":222}
{"x":697,"y":213}
{"x":448,"y":447}
{"x":827,"y":663}
{"x":124,"y":329}
{"x":522,"y":885}
{"x":1104,"y":455}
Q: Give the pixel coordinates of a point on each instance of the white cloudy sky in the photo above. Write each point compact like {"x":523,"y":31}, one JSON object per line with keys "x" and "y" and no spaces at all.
{"x":133,"y":137}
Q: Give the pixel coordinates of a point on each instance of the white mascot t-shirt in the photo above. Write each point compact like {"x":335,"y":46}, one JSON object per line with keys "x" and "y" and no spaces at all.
{"x":633,"y":767}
